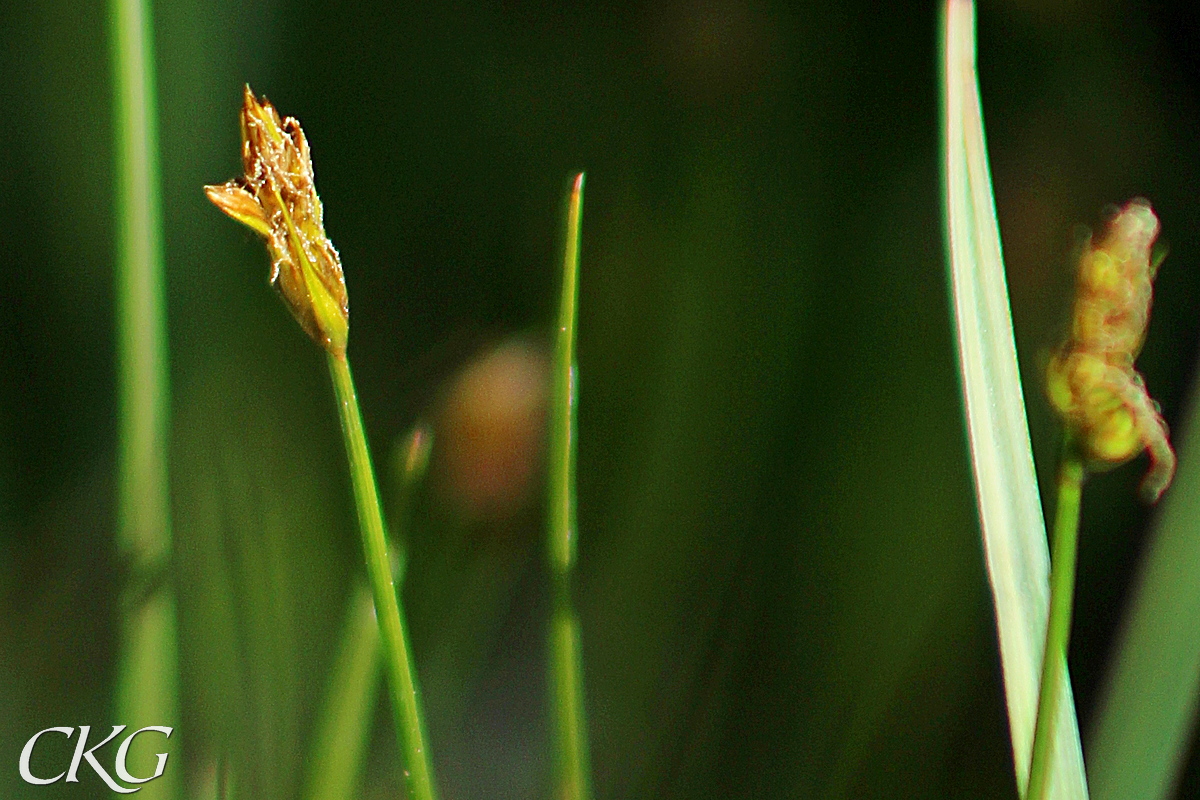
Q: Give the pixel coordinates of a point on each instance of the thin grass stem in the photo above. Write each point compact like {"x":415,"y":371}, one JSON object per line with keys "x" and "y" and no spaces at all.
{"x":343,"y":729}
{"x":572,"y":769}
{"x":146,"y":691}
{"x":1058,"y":630}
{"x":402,"y":679}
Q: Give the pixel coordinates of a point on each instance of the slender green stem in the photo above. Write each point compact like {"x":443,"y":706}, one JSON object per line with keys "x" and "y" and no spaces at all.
{"x":1058,"y":630}
{"x":566,"y":663}
{"x":406,"y":702}
{"x":343,"y":729}
{"x":143,"y":512}
{"x":147,"y":683}
{"x":572,"y":766}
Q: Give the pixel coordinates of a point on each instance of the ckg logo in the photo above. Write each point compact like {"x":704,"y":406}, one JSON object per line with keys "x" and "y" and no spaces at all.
{"x":85,"y":753}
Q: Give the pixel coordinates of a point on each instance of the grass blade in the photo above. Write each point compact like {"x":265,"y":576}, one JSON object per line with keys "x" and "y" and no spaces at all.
{"x":344,"y":727}
{"x":572,"y":771}
{"x":1014,"y":532}
{"x":1148,"y":710}
{"x":147,"y":672}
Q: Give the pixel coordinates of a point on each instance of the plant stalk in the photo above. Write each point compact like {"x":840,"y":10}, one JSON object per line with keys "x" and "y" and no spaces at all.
{"x":146,"y":691}
{"x":402,"y":679}
{"x":343,"y":730}
{"x":1058,"y":629}
{"x":572,"y":769}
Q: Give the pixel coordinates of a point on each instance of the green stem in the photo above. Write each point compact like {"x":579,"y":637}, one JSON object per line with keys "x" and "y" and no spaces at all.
{"x":566,"y":662}
{"x":147,"y":682}
{"x":343,"y":730}
{"x":1058,"y":629}
{"x":570,"y":722}
{"x":405,"y":699}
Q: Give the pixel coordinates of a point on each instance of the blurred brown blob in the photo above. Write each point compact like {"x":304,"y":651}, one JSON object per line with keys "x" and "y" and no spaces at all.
{"x":712,"y":49}
{"x":491,"y":430}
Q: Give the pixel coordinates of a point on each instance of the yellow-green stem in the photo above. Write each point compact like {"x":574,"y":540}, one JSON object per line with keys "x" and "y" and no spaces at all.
{"x":147,"y":684}
{"x":343,"y":730}
{"x":402,"y":679}
{"x":566,"y":663}
{"x":1058,"y":629}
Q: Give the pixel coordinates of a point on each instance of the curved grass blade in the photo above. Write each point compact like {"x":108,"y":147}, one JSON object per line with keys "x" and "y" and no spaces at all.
{"x":1148,"y":710}
{"x":1014,"y":532}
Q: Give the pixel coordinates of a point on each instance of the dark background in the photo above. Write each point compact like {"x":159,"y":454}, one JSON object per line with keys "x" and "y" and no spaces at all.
{"x":781,"y":584}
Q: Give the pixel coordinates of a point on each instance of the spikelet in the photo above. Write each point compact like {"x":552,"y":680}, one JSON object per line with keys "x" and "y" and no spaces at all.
{"x":278,"y":199}
{"x":1091,"y":380}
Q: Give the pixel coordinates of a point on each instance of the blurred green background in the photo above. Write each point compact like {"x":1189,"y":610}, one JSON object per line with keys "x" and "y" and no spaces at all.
{"x":781,"y":585}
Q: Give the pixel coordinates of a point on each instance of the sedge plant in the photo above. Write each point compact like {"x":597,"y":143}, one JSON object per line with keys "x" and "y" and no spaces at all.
{"x":276,"y":197}
{"x":1108,"y":415}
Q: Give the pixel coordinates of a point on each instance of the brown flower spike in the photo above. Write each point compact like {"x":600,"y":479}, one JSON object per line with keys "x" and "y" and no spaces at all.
{"x":1091,"y":380}
{"x":278,"y":199}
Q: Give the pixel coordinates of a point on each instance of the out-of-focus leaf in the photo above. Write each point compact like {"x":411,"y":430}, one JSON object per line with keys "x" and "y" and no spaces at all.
{"x":1147,"y":712}
{"x":344,"y":730}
